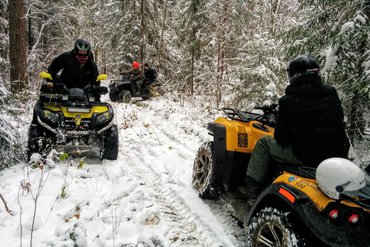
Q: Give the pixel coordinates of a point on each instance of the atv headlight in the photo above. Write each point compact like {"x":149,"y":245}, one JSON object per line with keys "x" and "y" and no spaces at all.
{"x":103,"y":118}
{"x":51,"y":116}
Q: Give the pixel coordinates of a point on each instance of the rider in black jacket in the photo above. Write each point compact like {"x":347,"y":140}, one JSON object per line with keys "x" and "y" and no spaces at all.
{"x":311,"y":120}
{"x":310,"y":127}
{"x":79,"y":69}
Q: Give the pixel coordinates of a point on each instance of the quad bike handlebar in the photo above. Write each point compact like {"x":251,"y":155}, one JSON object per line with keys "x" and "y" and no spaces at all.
{"x":60,"y":88}
{"x":268,"y":109}
{"x":268,"y":117}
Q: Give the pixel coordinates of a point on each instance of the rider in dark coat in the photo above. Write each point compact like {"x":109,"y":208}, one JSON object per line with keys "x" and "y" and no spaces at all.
{"x":310,"y":127}
{"x":149,"y":73}
{"x":79,"y":69}
{"x":311,"y":120}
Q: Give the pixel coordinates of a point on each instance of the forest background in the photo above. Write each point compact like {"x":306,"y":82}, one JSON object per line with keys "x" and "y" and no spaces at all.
{"x":233,"y":50}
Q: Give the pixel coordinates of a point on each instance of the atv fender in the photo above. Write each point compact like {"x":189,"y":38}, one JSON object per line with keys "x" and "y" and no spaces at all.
{"x":222,"y":168}
{"x":126,"y":87}
{"x":285,"y":197}
{"x":218,"y":132}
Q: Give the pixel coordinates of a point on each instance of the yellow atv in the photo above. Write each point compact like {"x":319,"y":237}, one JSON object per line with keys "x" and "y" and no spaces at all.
{"x":74,"y":121}
{"x":299,"y":205}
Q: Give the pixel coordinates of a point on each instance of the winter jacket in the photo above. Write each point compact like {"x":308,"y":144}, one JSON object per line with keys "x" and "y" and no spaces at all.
{"x":311,"y":120}
{"x":136,"y":74}
{"x":74,"y":74}
{"x":150,"y":75}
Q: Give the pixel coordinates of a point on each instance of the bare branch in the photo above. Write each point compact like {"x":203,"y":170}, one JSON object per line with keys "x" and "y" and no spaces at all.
{"x":6,"y":206}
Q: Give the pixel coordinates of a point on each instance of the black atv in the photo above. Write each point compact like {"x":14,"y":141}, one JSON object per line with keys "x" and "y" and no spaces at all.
{"x":73,"y":121}
{"x":292,"y":210}
{"x":124,"y":89}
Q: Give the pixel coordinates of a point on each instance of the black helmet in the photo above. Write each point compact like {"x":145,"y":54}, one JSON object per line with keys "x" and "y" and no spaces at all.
{"x":303,"y":64}
{"x":82,"y":50}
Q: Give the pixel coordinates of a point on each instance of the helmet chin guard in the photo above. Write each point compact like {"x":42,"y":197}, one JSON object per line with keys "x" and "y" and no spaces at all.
{"x":338,"y":176}
{"x":82,"y":49}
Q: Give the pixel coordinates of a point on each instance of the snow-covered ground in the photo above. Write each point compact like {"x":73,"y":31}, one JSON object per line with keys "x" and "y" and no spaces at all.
{"x":144,"y":198}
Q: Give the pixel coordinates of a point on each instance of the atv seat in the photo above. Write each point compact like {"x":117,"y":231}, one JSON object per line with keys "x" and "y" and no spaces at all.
{"x":77,"y":94}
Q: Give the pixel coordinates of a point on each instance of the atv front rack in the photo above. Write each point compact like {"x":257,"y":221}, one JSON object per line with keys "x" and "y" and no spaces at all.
{"x":242,"y":116}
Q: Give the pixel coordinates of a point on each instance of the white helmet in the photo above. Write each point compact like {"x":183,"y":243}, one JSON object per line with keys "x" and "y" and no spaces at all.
{"x":336,"y":176}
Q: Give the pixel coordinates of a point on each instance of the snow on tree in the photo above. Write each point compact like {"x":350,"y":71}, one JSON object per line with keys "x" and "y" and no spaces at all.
{"x":337,"y":32}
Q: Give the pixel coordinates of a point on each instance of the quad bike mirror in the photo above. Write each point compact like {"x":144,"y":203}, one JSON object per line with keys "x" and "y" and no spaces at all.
{"x":45,"y":75}
{"x":102,"y":77}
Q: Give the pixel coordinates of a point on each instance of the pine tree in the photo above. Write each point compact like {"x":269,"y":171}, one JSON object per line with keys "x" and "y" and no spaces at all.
{"x":4,"y":41}
{"x":18,"y":46}
{"x":337,"y":32}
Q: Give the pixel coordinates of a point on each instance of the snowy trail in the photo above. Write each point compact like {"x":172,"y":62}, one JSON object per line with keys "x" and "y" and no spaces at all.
{"x":143,"y":196}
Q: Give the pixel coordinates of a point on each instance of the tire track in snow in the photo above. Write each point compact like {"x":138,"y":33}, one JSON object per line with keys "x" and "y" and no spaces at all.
{"x":220,"y":211}
{"x":187,"y":226}
{"x":173,"y":135}
{"x":187,"y":229}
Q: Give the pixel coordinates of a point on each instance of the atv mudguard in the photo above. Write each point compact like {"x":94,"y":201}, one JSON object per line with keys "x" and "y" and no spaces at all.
{"x":118,"y":85}
{"x":230,"y":166}
{"x":286,"y":193}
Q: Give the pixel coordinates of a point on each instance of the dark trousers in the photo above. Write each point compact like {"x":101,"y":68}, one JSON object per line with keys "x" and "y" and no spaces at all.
{"x":265,"y":152}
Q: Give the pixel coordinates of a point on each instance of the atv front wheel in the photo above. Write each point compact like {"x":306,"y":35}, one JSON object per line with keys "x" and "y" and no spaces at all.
{"x":146,"y":93}
{"x":271,"y":227}
{"x":33,"y":141}
{"x":124,"y":96}
{"x":110,"y":143}
{"x":112,"y":96}
{"x":203,"y":171}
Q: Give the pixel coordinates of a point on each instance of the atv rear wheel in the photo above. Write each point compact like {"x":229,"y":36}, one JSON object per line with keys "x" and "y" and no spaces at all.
{"x":110,"y":143}
{"x":124,"y":96}
{"x":203,"y":171}
{"x":112,"y":96}
{"x":271,"y":227}
{"x":146,"y":93}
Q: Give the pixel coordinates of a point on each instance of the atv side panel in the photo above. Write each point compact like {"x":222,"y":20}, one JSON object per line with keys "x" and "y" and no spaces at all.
{"x":241,"y":136}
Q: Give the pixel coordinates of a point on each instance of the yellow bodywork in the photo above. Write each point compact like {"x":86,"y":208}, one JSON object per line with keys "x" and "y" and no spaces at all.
{"x":311,"y":189}
{"x":77,"y":116}
{"x":46,"y":75}
{"x":238,"y":129}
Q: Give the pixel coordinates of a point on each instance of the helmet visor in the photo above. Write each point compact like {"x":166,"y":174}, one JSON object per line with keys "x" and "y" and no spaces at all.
{"x":364,"y":192}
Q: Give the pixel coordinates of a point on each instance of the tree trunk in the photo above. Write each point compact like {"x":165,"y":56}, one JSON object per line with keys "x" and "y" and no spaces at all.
{"x":221,"y":50}
{"x":18,"y":46}
{"x":30,"y":43}
{"x":161,"y":42}
{"x":191,"y":82}
{"x":274,"y":10}
{"x":142,"y":32}
{"x":355,"y":121}
{"x":3,"y":30}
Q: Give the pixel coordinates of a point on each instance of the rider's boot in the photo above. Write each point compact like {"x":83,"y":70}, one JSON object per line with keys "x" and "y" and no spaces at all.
{"x":250,"y":190}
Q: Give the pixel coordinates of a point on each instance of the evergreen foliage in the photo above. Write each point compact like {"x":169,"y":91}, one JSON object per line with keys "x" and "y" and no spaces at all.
{"x":11,"y":149}
{"x":10,"y":146}
{"x":337,"y":32}
{"x":4,"y":41}
{"x":230,"y":50}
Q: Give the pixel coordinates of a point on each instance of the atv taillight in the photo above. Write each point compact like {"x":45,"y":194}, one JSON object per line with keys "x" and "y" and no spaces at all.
{"x":354,"y":218}
{"x":333,"y":214}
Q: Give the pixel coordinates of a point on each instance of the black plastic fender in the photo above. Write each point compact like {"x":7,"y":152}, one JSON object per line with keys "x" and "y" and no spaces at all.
{"x":336,"y":235}
{"x":218,"y":132}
